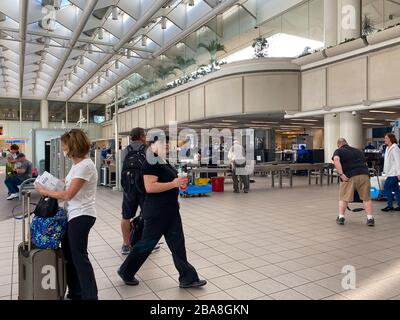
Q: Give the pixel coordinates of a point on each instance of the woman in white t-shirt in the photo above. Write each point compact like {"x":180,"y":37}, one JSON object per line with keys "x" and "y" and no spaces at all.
{"x":79,"y":201}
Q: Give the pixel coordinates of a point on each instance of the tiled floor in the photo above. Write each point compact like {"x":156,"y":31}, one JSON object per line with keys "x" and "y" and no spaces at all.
{"x":268,"y":244}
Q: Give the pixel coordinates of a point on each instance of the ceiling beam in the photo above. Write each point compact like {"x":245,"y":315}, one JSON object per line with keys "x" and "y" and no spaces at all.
{"x":214,"y":12}
{"x":87,"y":12}
{"x":23,"y":18}
{"x":144,"y":19}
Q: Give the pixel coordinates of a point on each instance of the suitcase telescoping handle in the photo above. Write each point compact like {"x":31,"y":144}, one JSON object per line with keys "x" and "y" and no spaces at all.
{"x":26,"y":199}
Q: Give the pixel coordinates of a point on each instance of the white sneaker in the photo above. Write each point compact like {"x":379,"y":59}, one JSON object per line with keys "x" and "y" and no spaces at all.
{"x":13,"y":196}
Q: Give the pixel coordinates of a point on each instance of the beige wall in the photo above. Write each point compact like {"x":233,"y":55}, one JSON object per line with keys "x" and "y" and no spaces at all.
{"x":142,"y":117}
{"x":224,"y":97}
{"x":313,"y":89}
{"x":347,"y":82}
{"x":170,"y":109}
{"x":197,"y":103}
{"x":271,"y":92}
{"x":384,"y":74}
{"x":182,"y":107}
{"x":159,"y":113}
{"x":150,"y":115}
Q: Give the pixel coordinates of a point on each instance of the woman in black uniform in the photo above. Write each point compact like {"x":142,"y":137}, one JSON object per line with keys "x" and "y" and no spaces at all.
{"x":161,"y":218}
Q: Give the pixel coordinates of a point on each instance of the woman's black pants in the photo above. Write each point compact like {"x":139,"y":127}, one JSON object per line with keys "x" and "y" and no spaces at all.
{"x":81,"y":280}
{"x":169,"y":226}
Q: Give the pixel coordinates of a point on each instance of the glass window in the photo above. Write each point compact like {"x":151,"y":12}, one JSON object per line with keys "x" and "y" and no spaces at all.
{"x":97,"y":113}
{"x":74,"y":111}
{"x":9,"y":109}
{"x":30,"y":110}
{"x":56,"y":111}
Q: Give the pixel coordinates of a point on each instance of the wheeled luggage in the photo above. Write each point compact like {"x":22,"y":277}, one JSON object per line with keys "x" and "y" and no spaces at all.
{"x":377,"y":185}
{"x":193,"y":190}
{"x":41,"y":272}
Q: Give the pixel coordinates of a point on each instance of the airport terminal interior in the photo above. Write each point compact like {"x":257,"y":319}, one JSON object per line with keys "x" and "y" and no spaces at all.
{"x":286,"y":78}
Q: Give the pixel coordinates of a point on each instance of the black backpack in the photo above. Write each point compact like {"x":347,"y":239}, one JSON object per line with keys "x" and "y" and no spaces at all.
{"x":131,"y":174}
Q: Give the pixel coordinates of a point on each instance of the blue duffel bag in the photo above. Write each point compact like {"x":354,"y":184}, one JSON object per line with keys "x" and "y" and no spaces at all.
{"x":47,"y":233}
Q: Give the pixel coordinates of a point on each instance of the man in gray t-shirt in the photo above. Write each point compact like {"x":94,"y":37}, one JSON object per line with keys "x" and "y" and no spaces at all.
{"x":23,"y":171}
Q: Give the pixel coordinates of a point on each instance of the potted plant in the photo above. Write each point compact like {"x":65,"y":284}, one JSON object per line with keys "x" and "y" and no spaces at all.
{"x":183,"y":64}
{"x":389,"y":33}
{"x":260,"y":46}
{"x":309,"y":57}
{"x":213,"y":48}
{"x":346,"y":46}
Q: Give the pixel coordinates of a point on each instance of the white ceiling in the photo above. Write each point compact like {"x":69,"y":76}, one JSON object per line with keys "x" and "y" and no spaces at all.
{"x":66,"y":58}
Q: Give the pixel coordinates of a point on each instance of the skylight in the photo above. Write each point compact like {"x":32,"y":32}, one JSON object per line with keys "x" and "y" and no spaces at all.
{"x":281,"y":45}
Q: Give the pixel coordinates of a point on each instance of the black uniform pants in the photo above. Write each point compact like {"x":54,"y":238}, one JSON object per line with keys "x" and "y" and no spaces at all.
{"x":81,"y":280}
{"x":169,"y":226}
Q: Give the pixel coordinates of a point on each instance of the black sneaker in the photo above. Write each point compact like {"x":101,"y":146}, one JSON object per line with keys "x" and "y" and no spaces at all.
{"x":397,"y":209}
{"x":132,"y":282}
{"x":340,"y":221}
{"x":371,"y":222}
{"x":195,"y":284}
{"x":387,"y":209}
{"x":125,"y":249}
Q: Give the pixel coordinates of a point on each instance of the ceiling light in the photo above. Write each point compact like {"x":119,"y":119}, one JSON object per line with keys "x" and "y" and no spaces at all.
{"x":382,"y":111}
{"x":164,"y":23}
{"x":391,"y":120}
{"x":230,"y":121}
{"x":100,"y":34}
{"x":144,"y":41}
{"x":369,"y":118}
{"x":115,"y":13}
{"x":307,"y":120}
{"x":116,"y":64}
{"x":302,"y":124}
{"x":263,"y":122}
{"x":82,"y":60}
{"x":374,"y":124}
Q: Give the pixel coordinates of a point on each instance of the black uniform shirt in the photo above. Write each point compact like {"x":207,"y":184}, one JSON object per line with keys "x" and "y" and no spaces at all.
{"x":165,"y":173}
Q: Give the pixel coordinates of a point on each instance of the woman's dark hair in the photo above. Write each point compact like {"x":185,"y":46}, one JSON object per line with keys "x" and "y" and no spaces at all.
{"x":77,"y":142}
{"x":391,"y":137}
{"x":14,"y":147}
{"x":137,"y":134}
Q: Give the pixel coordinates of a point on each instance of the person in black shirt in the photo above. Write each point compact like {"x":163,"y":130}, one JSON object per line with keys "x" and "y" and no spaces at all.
{"x":351,"y":166}
{"x":161,"y":218}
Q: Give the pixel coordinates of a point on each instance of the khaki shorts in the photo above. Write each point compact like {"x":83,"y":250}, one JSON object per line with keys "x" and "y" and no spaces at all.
{"x":360,"y":183}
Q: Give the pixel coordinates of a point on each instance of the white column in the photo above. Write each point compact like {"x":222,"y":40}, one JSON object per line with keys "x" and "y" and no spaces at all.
{"x":351,"y":129}
{"x":331,"y":135}
{"x":350,"y":19}
{"x":330,"y":22}
{"x":44,"y":114}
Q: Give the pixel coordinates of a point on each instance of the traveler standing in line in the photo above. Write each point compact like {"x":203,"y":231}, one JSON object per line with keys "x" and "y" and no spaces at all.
{"x":133,"y":158}
{"x":161,"y":218}
{"x":238,"y":162}
{"x":79,"y":201}
{"x":391,"y":169}
{"x":351,"y":166}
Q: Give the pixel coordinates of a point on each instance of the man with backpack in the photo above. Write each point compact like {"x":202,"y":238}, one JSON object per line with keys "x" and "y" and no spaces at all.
{"x":133,"y":158}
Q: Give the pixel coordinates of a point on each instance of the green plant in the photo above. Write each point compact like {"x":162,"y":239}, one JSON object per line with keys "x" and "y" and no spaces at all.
{"x":164,"y":71}
{"x":367,"y":27}
{"x":260,"y":46}
{"x":182,"y":63}
{"x":213,"y":48}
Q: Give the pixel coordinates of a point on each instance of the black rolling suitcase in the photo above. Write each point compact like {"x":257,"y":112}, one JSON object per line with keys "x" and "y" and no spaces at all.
{"x":41,"y":272}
